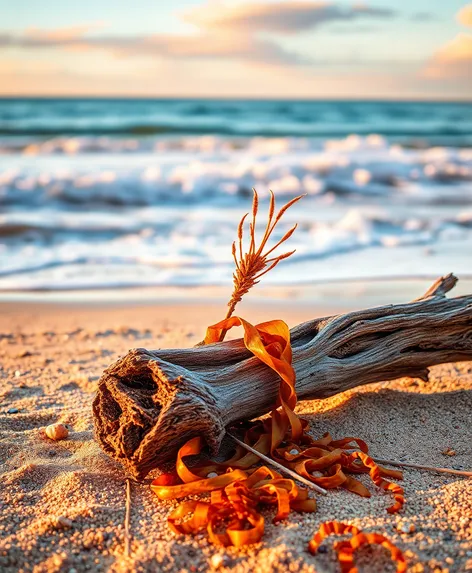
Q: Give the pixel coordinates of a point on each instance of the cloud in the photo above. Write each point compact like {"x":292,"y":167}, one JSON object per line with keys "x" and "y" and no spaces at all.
{"x":282,"y":17}
{"x":422,"y":17}
{"x":224,"y":32}
{"x":57,"y":37}
{"x":171,"y":78}
{"x":464,"y":16}
{"x":233,"y":46}
{"x":454,"y":60}
{"x":63,"y":34}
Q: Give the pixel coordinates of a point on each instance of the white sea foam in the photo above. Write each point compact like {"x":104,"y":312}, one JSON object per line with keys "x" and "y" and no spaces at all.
{"x":92,"y":211}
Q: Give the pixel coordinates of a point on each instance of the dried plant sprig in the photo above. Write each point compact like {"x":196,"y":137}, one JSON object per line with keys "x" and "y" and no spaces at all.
{"x":255,"y":263}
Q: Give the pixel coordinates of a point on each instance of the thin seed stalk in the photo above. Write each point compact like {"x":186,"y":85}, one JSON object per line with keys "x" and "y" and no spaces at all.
{"x":255,"y":262}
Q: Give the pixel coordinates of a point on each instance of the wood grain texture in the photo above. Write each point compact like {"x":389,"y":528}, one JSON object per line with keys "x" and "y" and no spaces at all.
{"x":150,"y":402}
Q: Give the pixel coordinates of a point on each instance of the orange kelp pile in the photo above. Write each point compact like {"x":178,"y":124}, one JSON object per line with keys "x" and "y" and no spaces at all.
{"x":232,"y":516}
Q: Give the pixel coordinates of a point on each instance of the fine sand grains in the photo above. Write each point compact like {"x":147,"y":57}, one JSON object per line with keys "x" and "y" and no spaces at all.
{"x":62,"y":503}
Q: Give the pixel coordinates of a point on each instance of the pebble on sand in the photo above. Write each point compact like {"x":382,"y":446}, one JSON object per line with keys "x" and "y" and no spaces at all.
{"x":449,"y":452}
{"x":62,"y":522}
{"x":24,"y":354}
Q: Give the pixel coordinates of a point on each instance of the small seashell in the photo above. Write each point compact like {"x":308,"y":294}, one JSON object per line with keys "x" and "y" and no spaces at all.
{"x":406,"y":528}
{"x":56,"y":432}
{"x":212,"y":475}
{"x":293,"y":452}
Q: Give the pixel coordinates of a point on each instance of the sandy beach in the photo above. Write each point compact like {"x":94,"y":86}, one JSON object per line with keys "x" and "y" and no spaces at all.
{"x":62,"y":504}
{"x":167,"y":165}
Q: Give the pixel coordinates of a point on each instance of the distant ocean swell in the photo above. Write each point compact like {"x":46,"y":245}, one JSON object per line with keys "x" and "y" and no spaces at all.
{"x":302,"y":129}
{"x":443,"y":123}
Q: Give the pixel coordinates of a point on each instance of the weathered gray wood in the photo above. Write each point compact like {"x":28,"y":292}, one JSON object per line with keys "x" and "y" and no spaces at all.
{"x":151,"y":401}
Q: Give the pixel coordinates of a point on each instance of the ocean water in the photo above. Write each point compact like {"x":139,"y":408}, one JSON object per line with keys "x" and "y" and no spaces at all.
{"x":121,"y":193}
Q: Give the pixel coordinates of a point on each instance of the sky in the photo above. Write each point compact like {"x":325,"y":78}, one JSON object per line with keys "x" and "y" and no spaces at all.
{"x":394,"y":49}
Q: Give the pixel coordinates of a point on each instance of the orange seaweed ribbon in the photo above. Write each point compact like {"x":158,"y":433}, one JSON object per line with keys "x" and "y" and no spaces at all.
{"x":270,"y":342}
{"x":375,"y":474}
{"x":346,"y":549}
{"x":237,"y":490}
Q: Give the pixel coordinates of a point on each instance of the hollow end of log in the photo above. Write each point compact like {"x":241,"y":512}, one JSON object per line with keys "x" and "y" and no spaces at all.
{"x":145,"y":409}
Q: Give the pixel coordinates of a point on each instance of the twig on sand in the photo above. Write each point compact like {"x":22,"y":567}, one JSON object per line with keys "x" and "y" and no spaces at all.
{"x":280,"y":467}
{"x":127,"y":517}
{"x":426,"y":468}
{"x":319,"y":489}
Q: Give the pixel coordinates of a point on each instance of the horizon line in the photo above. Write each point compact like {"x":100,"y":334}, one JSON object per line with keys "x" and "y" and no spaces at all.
{"x":412,"y":99}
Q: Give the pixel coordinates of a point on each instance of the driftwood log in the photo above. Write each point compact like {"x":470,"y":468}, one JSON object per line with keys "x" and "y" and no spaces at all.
{"x":150,"y":402}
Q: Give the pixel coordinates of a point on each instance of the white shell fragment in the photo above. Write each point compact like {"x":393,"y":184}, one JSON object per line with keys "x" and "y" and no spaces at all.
{"x":219,"y":560}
